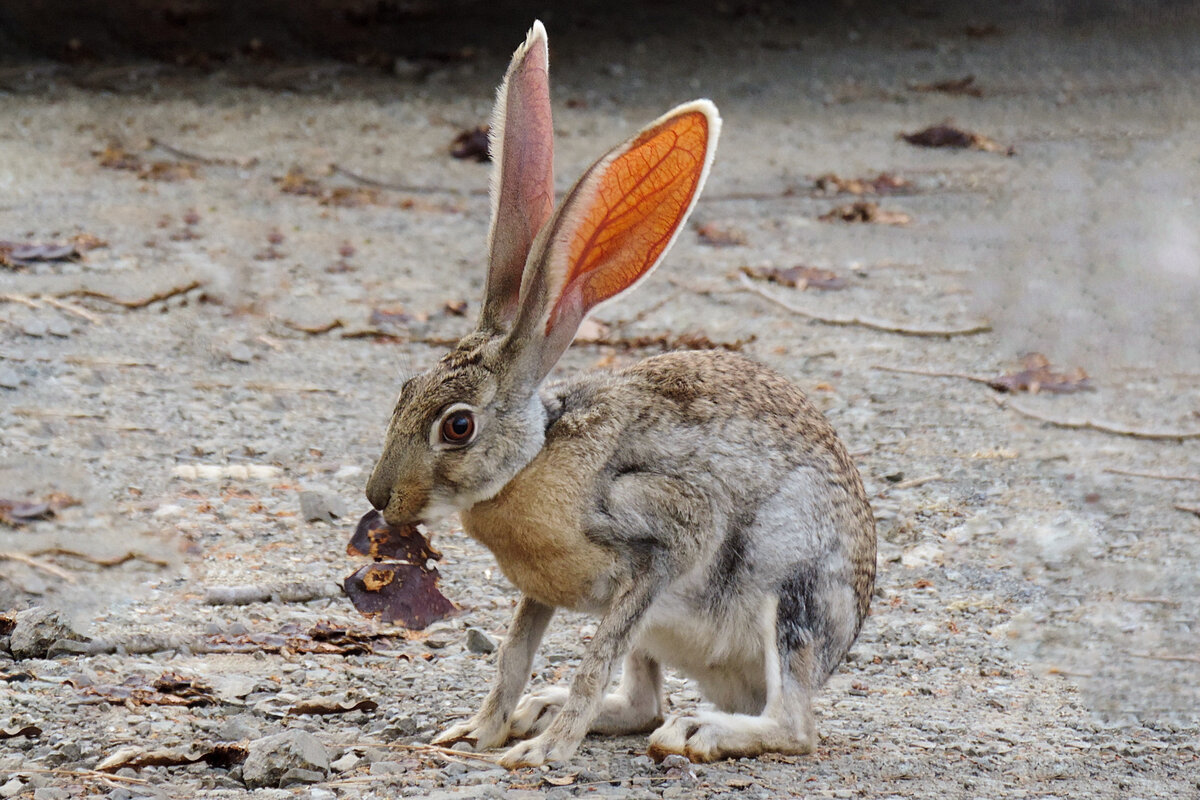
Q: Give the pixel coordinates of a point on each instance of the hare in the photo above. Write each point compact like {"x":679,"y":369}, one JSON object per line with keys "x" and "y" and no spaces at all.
{"x":696,"y":502}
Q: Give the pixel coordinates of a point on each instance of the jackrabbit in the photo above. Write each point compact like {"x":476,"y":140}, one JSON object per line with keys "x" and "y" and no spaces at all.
{"x":696,"y":502}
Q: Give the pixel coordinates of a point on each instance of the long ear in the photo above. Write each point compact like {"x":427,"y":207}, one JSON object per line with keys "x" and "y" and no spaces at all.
{"x":611,"y":231}
{"x":522,"y":184}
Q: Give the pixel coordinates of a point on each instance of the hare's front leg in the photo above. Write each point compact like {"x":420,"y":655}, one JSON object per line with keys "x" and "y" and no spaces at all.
{"x":490,"y":726}
{"x":561,"y":739}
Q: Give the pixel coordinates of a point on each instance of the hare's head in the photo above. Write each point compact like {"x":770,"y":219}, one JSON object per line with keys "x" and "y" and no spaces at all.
{"x":463,"y":429}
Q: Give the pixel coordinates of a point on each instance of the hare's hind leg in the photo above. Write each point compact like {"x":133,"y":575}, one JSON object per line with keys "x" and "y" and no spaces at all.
{"x":635,"y":706}
{"x":785,"y":724}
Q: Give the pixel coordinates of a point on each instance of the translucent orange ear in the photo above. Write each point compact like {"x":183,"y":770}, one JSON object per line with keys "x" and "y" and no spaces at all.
{"x":627,"y":210}
{"x":614,"y":226}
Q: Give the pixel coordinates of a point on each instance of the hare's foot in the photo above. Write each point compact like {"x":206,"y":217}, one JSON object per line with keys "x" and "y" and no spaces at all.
{"x":543,"y":749}
{"x":635,"y":707}
{"x":482,"y":732}
{"x":713,"y":735}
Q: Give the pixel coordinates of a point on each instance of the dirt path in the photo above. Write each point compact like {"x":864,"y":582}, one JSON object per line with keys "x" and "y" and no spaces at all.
{"x":1037,"y":623}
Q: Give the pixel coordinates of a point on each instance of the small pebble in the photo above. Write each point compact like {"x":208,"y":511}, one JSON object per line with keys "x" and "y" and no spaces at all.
{"x":9,"y":379}
{"x":480,"y":642}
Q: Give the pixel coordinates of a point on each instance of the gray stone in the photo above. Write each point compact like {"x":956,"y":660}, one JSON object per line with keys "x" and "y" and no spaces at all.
{"x":51,"y":793}
{"x":346,"y":763}
{"x":9,"y":379}
{"x":36,"y":630}
{"x":296,"y":775}
{"x":387,"y":768}
{"x":35,"y":327}
{"x":12,"y":788}
{"x":321,"y":507}
{"x":480,"y":642}
{"x":317,"y":793}
{"x":271,"y":757}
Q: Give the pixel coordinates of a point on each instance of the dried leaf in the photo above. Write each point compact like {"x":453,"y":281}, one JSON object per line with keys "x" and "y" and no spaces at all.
{"x":472,"y":144}
{"x":23,"y":254}
{"x":946,"y":135}
{"x":296,"y":182}
{"x":715,"y":235}
{"x":883,"y":183}
{"x":19,"y":729}
{"x":865,"y":211}
{"x":7,"y":623}
{"x":374,"y":538}
{"x":349,"y":197}
{"x":799,"y":277}
{"x":169,"y":689}
{"x":223,"y":756}
{"x":1036,"y":376}
{"x":15,"y":513}
{"x":561,"y":780}
{"x":323,"y":638}
{"x":398,"y":592}
{"x":331,"y":705}
{"x":455,"y":308}
{"x":955,"y":86}
{"x":115,"y":157}
{"x":167,"y":171}
{"x":390,"y":318}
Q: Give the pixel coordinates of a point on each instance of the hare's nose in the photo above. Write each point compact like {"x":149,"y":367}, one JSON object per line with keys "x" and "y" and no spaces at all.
{"x":379,"y":493}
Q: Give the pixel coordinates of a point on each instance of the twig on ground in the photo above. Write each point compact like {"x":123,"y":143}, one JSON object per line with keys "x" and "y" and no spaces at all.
{"x":313,"y":330}
{"x":20,"y":298}
{"x":399,"y":187}
{"x":1163,"y":601}
{"x":439,"y":750}
{"x":166,"y":294}
{"x":876,"y":325}
{"x":1152,"y":475}
{"x":1188,"y":509}
{"x":909,"y":484}
{"x":184,"y":154}
{"x":1101,"y":427}
{"x":71,"y":308}
{"x":101,"y":562}
{"x":49,"y":569}
{"x":1166,"y":657}
{"x":928,"y":373}
{"x":77,"y":773}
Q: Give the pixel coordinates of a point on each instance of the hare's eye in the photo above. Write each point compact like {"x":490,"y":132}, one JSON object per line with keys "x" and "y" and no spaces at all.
{"x":458,"y":427}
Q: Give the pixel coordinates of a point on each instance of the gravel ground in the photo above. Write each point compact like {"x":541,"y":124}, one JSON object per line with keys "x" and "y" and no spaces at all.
{"x":1036,"y":627}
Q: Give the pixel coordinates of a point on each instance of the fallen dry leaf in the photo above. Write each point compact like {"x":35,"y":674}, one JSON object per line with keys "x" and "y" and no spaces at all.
{"x":715,"y":235}
{"x":15,"y":513}
{"x":223,"y":756}
{"x":375,"y":539}
{"x":561,"y":780}
{"x":323,"y":638}
{"x":883,"y":183}
{"x":1036,"y":376}
{"x":116,"y":157}
{"x":349,"y":197}
{"x":472,"y":144}
{"x":865,"y":211}
{"x":956,"y":86}
{"x":331,"y":705}
{"x":799,"y":277}
{"x":20,"y":729}
{"x":455,"y":308}
{"x":23,"y":254}
{"x":170,"y":689}
{"x":296,"y":182}
{"x":396,"y":591}
{"x":946,"y":135}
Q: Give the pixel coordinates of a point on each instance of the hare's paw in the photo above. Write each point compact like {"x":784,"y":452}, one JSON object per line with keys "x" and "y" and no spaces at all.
{"x":709,"y":736}
{"x":537,"y":710}
{"x":481,"y":734}
{"x":540,"y":750}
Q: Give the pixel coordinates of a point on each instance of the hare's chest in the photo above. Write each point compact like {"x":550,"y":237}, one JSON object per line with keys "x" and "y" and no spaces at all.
{"x":533,"y":529}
